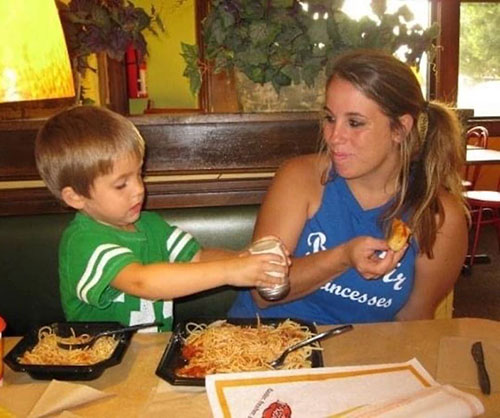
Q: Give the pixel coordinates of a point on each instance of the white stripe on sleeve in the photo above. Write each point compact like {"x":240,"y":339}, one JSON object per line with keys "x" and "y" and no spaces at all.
{"x":173,"y":237}
{"x":179,"y":247}
{"x":108,"y":256}
{"x":90,"y":266}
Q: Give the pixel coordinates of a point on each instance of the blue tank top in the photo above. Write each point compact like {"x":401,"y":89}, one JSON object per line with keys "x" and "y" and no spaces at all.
{"x":349,"y":298}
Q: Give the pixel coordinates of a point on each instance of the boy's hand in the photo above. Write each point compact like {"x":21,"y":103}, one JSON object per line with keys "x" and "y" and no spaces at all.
{"x":283,"y":246}
{"x":256,"y":270}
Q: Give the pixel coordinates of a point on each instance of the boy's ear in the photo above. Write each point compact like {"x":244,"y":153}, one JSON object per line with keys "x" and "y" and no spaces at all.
{"x":72,"y":198}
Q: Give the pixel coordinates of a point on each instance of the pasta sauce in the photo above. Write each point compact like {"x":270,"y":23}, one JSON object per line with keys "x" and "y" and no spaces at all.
{"x":223,"y":348}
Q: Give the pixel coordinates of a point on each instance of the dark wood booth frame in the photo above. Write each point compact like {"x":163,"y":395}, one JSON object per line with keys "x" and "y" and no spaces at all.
{"x":187,"y":145}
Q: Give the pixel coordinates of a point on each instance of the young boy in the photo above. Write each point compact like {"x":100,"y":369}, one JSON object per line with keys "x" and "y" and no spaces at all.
{"x":117,"y":263}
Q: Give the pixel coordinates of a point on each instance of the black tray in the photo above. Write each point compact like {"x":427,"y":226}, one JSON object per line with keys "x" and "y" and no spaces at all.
{"x":172,"y":357}
{"x":49,"y":372}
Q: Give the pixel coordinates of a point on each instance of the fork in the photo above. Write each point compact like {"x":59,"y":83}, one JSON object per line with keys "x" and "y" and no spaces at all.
{"x":334,"y":331}
{"x":93,"y":338}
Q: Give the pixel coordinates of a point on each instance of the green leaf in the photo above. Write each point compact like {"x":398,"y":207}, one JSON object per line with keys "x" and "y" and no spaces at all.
{"x":311,"y":71}
{"x":260,"y":33}
{"x":318,"y":31}
{"x":218,"y":31}
{"x":252,"y":56}
{"x":189,"y":52}
{"x":227,"y":18}
{"x":255,"y":74}
{"x":251,"y":11}
{"x":284,"y":4}
{"x":191,"y":71}
{"x":292,"y":73}
{"x":280,"y":80}
{"x":223,"y":61}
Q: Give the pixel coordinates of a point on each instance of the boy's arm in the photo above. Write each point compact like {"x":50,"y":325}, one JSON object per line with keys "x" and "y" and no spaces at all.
{"x":171,"y":280}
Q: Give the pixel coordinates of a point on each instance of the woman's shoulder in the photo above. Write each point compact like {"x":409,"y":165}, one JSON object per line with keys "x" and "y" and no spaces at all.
{"x":299,"y":180}
{"x":453,"y":207}
{"x":308,"y":167}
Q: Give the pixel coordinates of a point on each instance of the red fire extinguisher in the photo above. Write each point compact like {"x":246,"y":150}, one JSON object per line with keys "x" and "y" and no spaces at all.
{"x":136,"y":74}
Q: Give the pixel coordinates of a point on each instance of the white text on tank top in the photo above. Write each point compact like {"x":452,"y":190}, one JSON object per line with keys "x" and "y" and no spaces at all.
{"x":316,"y":242}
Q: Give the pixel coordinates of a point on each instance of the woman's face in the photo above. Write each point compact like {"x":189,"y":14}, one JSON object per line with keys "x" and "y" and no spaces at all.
{"x":360,"y":141}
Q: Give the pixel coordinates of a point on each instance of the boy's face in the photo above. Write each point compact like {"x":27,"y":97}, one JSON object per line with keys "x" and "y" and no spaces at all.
{"x":116,"y":198}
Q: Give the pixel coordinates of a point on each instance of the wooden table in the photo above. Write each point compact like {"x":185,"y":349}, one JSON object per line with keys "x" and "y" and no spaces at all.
{"x":477,"y":155}
{"x":134,"y":380}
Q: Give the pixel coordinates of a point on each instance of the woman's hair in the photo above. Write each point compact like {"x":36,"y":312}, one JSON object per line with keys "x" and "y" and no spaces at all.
{"x":432,"y":153}
{"x":79,"y":144}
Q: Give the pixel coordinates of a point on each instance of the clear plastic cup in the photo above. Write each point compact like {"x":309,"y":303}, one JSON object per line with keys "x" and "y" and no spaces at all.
{"x":266,"y":246}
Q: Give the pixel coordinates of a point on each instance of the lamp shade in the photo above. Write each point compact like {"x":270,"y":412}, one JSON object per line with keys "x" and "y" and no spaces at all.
{"x":34,"y":61}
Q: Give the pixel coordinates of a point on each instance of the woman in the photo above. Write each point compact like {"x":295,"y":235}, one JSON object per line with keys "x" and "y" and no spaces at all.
{"x":388,"y":154}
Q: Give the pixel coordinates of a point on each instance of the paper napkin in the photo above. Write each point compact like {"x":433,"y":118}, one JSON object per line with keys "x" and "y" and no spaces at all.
{"x":435,"y":401}
{"x":321,"y":392}
{"x":37,"y":400}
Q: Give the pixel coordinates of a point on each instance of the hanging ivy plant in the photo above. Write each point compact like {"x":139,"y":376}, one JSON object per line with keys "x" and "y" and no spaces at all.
{"x":283,"y":42}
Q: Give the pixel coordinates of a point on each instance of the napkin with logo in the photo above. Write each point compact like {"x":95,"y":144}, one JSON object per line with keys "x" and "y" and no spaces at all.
{"x":38,"y":400}
{"x":333,"y":392}
{"x":457,"y":367}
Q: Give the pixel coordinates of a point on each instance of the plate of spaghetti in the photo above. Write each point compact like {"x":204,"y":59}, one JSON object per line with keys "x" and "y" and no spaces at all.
{"x":39,"y":355}
{"x":202,"y":347}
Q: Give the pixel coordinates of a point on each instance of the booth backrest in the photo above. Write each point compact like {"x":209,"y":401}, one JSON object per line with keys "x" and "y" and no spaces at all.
{"x":29,"y":284}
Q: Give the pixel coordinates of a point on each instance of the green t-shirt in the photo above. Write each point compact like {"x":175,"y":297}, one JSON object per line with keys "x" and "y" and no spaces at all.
{"x":91,"y":254}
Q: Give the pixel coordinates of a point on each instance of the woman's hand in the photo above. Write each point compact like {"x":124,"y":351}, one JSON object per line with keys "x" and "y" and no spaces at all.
{"x":363,"y":254}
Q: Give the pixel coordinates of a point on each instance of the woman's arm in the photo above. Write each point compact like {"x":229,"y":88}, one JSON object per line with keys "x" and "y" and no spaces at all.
{"x":434,"y":278}
{"x":294,"y":196}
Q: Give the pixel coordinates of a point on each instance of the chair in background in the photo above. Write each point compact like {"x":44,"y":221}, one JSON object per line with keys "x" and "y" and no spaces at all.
{"x":485,"y":209}
{"x":476,"y":136}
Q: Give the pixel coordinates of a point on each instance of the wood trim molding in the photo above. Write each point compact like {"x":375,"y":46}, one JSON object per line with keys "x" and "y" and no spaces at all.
{"x":181,"y":194}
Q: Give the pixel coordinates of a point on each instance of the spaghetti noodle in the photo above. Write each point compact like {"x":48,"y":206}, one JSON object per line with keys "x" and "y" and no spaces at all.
{"x":222,"y":347}
{"x":47,"y":352}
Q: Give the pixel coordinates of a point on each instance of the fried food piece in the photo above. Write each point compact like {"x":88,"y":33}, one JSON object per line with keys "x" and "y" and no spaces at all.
{"x":400,"y":232}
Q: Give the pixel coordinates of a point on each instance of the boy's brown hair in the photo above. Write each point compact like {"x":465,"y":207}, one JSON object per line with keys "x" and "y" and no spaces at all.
{"x":79,"y":144}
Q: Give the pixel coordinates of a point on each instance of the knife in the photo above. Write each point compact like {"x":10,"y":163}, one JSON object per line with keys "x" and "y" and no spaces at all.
{"x":478,"y":356}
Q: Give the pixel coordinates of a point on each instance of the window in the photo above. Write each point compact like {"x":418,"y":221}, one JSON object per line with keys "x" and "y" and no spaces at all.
{"x":421,"y":11}
{"x":479,"y":58}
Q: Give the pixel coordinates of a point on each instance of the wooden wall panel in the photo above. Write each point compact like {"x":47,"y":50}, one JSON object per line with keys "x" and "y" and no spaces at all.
{"x":180,"y":144}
